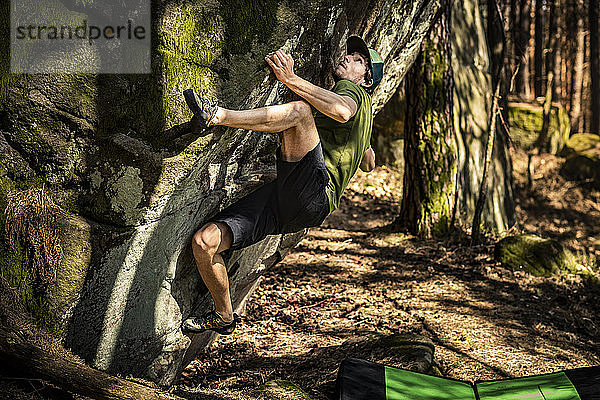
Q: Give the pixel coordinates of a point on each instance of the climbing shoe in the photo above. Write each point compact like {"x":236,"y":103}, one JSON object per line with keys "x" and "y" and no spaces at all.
{"x":210,"y":321}
{"x":203,"y":108}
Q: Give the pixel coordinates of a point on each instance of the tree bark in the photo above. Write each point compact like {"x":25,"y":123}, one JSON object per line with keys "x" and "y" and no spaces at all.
{"x":74,"y":377}
{"x":430,"y":148}
{"x":594,"y":66}
{"x":576,"y":99}
{"x":553,"y":50}
{"x":522,"y":54}
{"x":539,"y":49}
{"x":483,"y":188}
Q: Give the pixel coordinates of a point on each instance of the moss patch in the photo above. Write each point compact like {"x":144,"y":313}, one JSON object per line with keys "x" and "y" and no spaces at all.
{"x":583,"y":159}
{"x":538,"y":256}
{"x":581,"y":143}
{"x":435,"y":144}
{"x":525,"y":124}
{"x":240,"y":35}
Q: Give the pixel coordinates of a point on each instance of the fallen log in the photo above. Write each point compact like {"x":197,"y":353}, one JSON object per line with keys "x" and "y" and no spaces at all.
{"x":28,"y":351}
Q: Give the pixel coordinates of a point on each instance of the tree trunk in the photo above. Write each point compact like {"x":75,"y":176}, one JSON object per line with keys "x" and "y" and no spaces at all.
{"x":430,"y":148}
{"x":557,"y":49}
{"x":513,"y":26}
{"x":539,"y":49}
{"x":553,"y":51}
{"x":594,"y":66}
{"x":576,"y":99}
{"x":32,"y":360}
{"x":522,"y":84}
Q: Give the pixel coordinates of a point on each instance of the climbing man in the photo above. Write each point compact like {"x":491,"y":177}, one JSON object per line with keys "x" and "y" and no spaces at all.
{"x":319,"y":154}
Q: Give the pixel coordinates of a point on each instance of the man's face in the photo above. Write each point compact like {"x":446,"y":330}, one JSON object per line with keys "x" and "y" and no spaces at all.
{"x":352,"y":67}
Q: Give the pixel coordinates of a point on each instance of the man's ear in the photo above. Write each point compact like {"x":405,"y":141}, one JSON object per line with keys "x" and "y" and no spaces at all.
{"x":366,"y":85}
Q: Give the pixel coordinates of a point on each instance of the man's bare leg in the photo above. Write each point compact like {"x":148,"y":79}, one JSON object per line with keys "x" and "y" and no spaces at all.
{"x":212,"y":239}
{"x":294,"y":119}
{"x":299,"y":137}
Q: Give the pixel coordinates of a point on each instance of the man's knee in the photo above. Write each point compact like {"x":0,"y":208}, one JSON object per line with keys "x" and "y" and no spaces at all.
{"x":212,"y":238}
{"x":302,"y":110}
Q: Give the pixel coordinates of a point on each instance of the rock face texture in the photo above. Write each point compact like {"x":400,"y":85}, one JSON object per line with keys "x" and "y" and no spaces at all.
{"x":117,"y":154}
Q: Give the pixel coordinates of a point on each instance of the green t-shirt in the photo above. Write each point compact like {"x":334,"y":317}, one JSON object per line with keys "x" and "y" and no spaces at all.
{"x":344,"y":144}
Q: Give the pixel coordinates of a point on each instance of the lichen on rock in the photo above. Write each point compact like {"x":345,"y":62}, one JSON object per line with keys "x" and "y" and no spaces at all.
{"x":538,"y":256}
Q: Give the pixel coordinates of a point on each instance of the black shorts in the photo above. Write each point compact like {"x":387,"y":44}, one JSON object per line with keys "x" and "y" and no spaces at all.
{"x":295,"y":200}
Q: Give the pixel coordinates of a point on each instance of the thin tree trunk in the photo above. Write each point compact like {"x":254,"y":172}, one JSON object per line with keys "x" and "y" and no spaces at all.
{"x":594,"y":67}
{"x":542,"y":138}
{"x":539,"y":49}
{"x":513,"y":24}
{"x":576,"y":100}
{"x":586,"y":91}
{"x":557,"y":48}
{"x":522,"y":46}
{"x":484,"y":187}
{"x":546,"y":114}
{"x":553,"y":52}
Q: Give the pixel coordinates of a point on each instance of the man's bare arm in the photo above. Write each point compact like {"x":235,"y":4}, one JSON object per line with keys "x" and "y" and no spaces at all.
{"x":368,"y":162}
{"x":340,"y":108}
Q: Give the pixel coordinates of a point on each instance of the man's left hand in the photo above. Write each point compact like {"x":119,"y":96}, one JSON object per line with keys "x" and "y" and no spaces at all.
{"x":282,"y":64}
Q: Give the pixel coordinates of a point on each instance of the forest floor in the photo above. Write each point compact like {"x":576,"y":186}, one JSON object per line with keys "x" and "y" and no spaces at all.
{"x":350,"y":279}
{"x":350,"y":282}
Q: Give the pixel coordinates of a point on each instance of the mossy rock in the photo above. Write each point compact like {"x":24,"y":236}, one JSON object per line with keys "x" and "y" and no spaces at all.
{"x":580,"y":143}
{"x":538,"y":256}
{"x":283,"y":390}
{"x":525,"y":124}
{"x":415,"y":352}
{"x":583,"y":159}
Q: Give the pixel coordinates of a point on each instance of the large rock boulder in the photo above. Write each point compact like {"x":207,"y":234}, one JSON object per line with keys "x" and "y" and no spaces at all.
{"x":538,"y":256}
{"x":117,"y":155}
{"x":525,"y":124}
{"x":583,"y":158}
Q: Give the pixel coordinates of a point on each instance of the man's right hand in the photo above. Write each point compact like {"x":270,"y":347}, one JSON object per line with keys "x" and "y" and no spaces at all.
{"x":282,"y":65}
